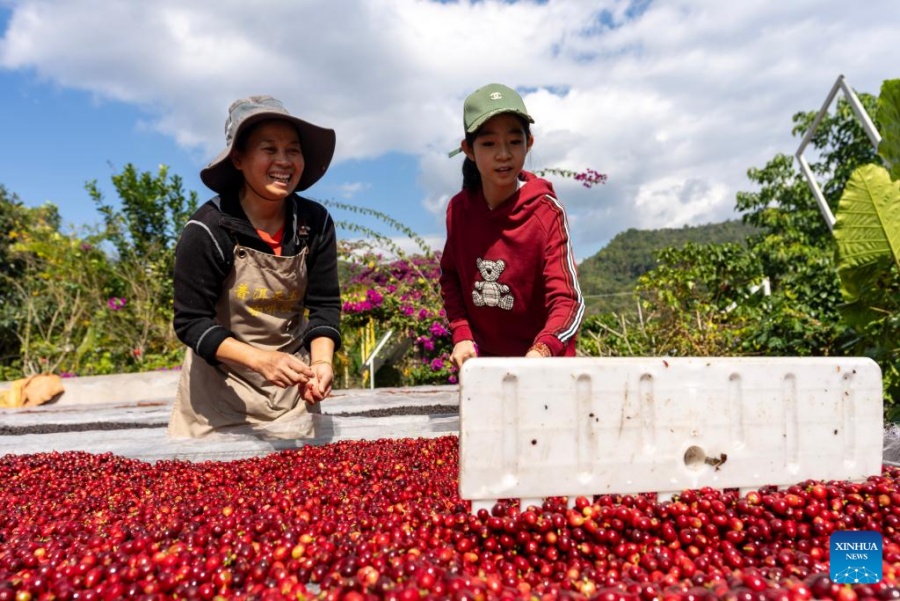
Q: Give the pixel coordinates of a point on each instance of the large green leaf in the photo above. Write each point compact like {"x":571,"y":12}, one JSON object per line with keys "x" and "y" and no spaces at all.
{"x":863,"y":293}
{"x":889,"y":123}
{"x":867,"y":228}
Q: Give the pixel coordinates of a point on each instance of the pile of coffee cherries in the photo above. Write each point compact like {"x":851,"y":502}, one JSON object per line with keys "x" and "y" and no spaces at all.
{"x":383,"y":520}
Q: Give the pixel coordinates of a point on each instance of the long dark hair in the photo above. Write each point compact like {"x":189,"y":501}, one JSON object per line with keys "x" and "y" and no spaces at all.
{"x":471,"y":176}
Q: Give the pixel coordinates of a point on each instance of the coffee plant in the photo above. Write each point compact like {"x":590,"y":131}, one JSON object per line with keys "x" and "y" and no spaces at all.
{"x":867,"y":230}
{"x":828,"y":295}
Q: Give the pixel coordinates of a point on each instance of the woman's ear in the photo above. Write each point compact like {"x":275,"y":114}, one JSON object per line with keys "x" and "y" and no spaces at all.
{"x":235,"y":158}
{"x":529,"y":143}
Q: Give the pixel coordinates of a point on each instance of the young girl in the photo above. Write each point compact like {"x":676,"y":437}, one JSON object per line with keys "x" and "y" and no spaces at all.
{"x":248,"y":266}
{"x":508,"y":276}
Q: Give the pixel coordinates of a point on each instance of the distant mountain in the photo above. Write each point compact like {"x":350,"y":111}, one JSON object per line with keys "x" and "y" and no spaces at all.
{"x":608,"y":277}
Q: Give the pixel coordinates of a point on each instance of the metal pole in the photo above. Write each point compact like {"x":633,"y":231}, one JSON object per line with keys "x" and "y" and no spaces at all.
{"x":371,"y":360}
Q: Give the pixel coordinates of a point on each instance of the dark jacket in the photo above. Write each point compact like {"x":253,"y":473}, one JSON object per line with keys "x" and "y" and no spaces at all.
{"x":205,"y":254}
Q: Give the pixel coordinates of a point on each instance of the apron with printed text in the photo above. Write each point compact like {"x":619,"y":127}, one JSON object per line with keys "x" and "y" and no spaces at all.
{"x":262,"y":304}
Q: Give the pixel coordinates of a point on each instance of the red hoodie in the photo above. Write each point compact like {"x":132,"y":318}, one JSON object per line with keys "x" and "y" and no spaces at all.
{"x":508,"y":275}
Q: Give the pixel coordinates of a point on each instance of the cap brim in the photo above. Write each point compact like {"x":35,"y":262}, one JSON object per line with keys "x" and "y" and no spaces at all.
{"x":473,"y":127}
{"x":317,"y":144}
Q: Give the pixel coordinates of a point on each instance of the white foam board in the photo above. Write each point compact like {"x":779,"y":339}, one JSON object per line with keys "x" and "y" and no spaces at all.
{"x":535,"y":428}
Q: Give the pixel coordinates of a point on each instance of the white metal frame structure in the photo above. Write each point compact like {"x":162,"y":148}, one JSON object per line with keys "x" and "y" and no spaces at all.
{"x":865,"y":121}
{"x":369,"y":363}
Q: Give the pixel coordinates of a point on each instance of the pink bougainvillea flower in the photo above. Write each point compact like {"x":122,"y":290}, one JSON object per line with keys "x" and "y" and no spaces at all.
{"x":116,"y":303}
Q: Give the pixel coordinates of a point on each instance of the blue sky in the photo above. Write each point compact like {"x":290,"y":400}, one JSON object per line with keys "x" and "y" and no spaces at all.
{"x":673,"y":100}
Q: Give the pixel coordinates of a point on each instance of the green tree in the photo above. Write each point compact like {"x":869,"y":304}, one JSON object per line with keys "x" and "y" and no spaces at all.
{"x":58,"y":288}
{"x":15,"y":221}
{"x":143,"y":232}
{"x":698,"y":299}
{"x":795,"y":249}
{"x":154,"y":209}
{"x":867,"y":230}
{"x":11,"y":214}
{"x":98,"y":302}
{"x":608,"y":278}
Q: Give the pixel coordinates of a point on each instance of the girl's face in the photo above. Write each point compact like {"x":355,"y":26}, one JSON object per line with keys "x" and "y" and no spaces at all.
{"x":499,"y":151}
{"x":271,"y":161}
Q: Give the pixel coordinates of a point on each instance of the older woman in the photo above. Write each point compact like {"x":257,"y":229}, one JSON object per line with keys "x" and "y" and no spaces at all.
{"x":249,"y":265}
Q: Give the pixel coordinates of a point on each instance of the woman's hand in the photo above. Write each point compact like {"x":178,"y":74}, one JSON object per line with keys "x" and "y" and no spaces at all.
{"x":462,"y":352}
{"x":319,"y":386}
{"x":283,"y":369}
{"x":321,"y":350}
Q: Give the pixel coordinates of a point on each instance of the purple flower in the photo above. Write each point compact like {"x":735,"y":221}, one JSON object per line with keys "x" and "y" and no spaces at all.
{"x":115,"y":303}
{"x":374,"y":297}
{"x":437,"y":364}
{"x":426,"y":343}
{"x":350,"y":307}
{"x":438,"y":330}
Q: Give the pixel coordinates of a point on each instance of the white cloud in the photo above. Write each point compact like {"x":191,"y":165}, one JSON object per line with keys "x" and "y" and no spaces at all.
{"x":673,"y":201}
{"x":388,"y":247}
{"x":673,"y":99}
{"x":350,"y":189}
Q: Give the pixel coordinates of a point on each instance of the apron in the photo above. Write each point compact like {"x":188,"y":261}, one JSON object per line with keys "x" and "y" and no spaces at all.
{"x":262,"y":304}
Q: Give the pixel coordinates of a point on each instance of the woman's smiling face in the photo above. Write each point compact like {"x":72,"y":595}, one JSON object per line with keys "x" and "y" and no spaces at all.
{"x":271,"y":160}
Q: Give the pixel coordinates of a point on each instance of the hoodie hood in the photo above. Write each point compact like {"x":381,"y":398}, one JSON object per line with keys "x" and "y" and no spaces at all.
{"x":522,"y":202}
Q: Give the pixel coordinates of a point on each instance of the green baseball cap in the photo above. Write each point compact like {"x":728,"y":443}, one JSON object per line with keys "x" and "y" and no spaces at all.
{"x":490,"y":100}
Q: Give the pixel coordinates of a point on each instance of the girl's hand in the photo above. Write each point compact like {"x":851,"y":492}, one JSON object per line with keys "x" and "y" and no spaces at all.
{"x":462,"y":352}
{"x":539,"y":349}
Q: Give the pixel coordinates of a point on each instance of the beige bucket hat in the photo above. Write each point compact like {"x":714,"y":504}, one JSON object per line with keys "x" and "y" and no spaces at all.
{"x":317,"y":143}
